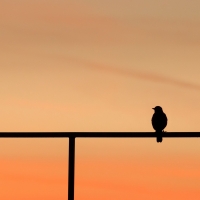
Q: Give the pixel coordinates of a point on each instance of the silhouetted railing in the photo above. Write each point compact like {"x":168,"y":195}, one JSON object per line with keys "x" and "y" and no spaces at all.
{"x":95,"y":134}
{"x":73,"y":135}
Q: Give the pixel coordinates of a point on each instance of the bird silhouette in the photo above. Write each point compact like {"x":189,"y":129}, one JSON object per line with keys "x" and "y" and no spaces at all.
{"x":159,"y":122}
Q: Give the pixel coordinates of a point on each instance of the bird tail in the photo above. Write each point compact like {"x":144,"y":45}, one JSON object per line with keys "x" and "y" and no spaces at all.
{"x":159,"y":136}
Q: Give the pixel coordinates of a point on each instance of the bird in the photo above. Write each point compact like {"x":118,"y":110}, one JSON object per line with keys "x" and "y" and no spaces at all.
{"x":159,"y":122}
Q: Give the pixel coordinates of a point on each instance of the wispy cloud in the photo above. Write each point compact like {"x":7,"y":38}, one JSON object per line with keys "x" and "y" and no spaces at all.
{"x":133,"y":73}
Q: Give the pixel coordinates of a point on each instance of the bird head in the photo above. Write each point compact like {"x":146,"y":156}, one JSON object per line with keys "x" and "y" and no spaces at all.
{"x":158,"y":109}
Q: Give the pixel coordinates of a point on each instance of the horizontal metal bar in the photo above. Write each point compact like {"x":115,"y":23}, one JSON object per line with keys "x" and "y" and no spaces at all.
{"x":96,"y":134}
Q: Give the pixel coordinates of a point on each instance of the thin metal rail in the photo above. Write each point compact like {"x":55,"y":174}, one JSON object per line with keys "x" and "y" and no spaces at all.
{"x":73,"y":135}
{"x":95,"y":134}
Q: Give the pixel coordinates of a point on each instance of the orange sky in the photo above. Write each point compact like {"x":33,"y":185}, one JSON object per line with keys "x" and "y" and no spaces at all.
{"x":99,"y":66}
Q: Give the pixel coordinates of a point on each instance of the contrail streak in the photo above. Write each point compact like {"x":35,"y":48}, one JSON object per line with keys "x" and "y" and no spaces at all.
{"x":132,"y":73}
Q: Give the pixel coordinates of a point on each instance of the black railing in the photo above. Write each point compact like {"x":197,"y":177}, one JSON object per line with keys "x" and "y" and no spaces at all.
{"x":73,"y":135}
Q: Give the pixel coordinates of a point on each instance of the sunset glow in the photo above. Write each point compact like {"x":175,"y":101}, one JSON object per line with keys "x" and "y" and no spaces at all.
{"x":90,"y":65}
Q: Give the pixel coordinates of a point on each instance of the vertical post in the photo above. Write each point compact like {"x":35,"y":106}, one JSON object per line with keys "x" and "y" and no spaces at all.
{"x":71,"y":164}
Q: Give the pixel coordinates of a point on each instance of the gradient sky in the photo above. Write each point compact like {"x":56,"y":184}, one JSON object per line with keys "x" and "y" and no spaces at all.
{"x":91,"y":65}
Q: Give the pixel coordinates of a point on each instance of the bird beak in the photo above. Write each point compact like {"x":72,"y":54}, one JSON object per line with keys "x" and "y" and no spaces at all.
{"x":153,"y":108}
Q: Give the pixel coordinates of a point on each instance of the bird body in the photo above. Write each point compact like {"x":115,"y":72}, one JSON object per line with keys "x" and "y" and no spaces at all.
{"x":159,"y":122}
